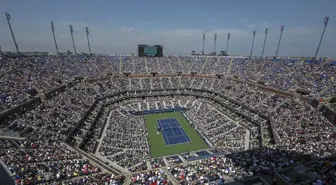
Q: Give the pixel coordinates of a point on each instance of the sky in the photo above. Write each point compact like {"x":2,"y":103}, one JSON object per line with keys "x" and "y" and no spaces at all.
{"x":118,"y":26}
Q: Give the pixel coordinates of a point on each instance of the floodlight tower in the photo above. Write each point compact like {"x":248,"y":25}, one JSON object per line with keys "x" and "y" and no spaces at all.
{"x":281,"y":30}
{"x":8,"y":17}
{"x":88,"y":40}
{"x":215,"y":42}
{"x":325,"y":22}
{"x":203,"y":43}
{"x":53,"y":33}
{"x":227,"y":43}
{"x":254,"y":32}
{"x":262,"y":53}
{"x":73,"y":42}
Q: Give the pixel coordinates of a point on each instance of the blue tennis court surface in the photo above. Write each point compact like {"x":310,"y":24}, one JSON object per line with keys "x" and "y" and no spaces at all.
{"x":172,"y":131}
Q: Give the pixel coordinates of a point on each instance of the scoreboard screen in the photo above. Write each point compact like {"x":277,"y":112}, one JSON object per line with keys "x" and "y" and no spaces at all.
{"x":150,"y":50}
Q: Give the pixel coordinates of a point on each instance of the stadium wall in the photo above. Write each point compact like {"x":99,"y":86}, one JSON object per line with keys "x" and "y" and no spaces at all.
{"x":31,"y":104}
{"x":92,"y":125}
{"x":329,"y":114}
{"x":276,"y":140}
{"x":53,"y":92}
{"x":20,"y":109}
{"x":184,"y":93}
{"x":102,"y":130}
{"x":67,"y":139}
{"x":157,"y":111}
{"x":5,"y":175}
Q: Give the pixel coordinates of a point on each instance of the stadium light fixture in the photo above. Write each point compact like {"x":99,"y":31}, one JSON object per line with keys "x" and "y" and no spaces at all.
{"x":254,"y":32}
{"x":52,"y":25}
{"x":73,"y":42}
{"x":281,"y":30}
{"x":203,"y":43}
{"x":215,"y":42}
{"x":87,"y":37}
{"x":227,"y":43}
{"x":262,"y":53}
{"x":325,"y":22}
{"x":8,"y":17}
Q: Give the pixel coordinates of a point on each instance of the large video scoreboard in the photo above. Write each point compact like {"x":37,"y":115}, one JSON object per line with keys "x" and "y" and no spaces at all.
{"x":150,"y":50}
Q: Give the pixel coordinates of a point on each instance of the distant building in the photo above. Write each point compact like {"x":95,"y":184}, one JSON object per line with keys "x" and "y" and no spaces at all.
{"x":223,"y":53}
{"x":212,"y":54}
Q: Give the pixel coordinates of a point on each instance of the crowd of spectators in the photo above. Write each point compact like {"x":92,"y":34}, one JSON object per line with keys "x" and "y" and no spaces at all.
{"x":24,"y":75}
{"x":41,"y":158}
{"x":285,"y":74}
{"x":239,"y":119}
{"x":125,"y":140}
{"x":151,"y":177}
{"x":220,"y":129}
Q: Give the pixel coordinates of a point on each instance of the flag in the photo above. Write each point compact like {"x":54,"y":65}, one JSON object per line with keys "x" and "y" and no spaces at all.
{"x":282,"y":27}
{"x":52,"y":26}
{"x":215,"y":37}
{"x":71,"y":28}
{"x":266,"y":30}
{"x":254,"y":32}
{"x":87,"y":30}
{"x":228,"y":36}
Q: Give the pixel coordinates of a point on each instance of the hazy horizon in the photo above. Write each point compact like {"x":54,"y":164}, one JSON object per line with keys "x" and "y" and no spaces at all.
{"x":118,"y":27}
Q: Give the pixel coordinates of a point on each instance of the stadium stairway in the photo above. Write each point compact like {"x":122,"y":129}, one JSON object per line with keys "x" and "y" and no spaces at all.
{"x":279,"y":105}
{"x":113,"y":164}
{"x":148,"y":165}
{"x":11,"y":138}
{"x":165,"y":161}
{"x":100,"y":140}
{"x":182,"y":159}
{"x":127,"y":181}
{"x":318,"y":95}
{"x":170,"y":176}
{"x":203,"y":65}
{"x":94,"y":160}
{"x":247,"y":140}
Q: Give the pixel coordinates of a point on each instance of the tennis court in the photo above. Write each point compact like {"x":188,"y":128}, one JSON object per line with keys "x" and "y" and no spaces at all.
{"x":172,"y":131}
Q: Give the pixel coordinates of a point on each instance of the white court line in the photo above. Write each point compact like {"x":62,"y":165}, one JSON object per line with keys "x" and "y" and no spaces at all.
{"x":171,"y":128}
{"x":164,"y":135}
{"x":187,"y":140}
{"x":183,"y":133}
